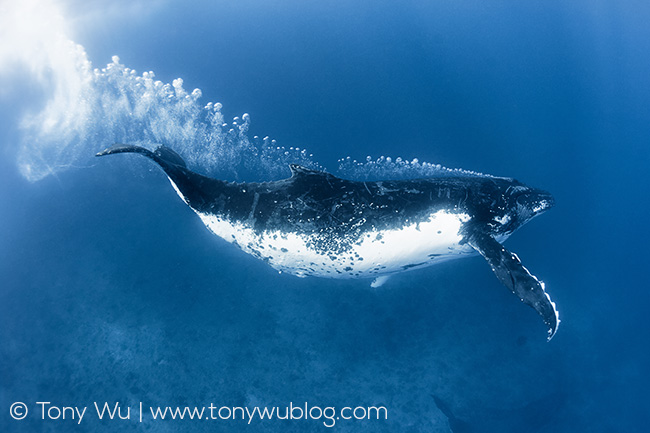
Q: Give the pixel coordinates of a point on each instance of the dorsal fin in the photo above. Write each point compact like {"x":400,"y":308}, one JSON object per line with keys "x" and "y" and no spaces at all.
{"x":297,"y":170}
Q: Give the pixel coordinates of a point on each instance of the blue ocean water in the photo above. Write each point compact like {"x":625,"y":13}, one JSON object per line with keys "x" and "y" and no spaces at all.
{"x":113,"y":291}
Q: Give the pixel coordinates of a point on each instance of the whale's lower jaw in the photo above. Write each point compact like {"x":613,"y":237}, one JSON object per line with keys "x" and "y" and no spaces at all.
{"x":373,"y":253}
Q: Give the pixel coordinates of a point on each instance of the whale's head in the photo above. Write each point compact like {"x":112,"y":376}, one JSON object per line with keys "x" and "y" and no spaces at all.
{"x":517,"y":205}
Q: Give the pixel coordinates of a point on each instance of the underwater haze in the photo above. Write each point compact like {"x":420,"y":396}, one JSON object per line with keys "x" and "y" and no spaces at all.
{"x":113,"y":291}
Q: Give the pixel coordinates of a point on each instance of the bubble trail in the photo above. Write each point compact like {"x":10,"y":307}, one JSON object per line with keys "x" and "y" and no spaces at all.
{"x":86,"y":109}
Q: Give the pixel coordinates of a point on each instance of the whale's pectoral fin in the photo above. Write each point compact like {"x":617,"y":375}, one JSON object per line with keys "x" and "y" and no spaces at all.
{"x":515,"y":276}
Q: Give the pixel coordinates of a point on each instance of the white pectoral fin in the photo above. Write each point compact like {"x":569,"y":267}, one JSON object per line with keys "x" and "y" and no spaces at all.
{"x":379,"y":281}
{"x":509,"y":270}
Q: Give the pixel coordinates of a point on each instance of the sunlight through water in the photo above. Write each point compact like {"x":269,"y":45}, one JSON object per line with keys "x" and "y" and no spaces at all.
{"x":87,"y":109}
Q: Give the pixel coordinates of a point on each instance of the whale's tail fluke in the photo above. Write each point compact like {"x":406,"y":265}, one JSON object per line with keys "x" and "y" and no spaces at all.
{"x":162,"y":155}
{"x":195,"y":189}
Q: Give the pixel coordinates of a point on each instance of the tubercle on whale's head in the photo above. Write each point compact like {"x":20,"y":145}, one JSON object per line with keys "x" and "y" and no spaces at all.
{"x":535,"y":201}
{"x":517,"y":205}
{"x":531,"y":202}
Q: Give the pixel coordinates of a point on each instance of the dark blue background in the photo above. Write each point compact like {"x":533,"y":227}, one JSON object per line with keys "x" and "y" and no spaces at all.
{"x":112,"y":290}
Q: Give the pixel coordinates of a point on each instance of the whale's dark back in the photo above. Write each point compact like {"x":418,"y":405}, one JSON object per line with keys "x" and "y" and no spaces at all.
{"x":311,"y":201}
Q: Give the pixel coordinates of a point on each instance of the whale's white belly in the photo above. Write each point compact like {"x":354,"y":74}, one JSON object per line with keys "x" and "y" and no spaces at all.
{"x":375,"y":253}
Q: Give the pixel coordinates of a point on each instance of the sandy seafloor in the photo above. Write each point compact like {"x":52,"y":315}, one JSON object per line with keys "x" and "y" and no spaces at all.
{"x":111,"y":289}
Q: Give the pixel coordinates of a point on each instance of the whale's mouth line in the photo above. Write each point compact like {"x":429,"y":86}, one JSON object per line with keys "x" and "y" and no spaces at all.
{"x":534,"y":201}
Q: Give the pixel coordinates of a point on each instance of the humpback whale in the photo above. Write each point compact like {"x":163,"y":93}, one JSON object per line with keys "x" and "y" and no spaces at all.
{"x":317,"y":224}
